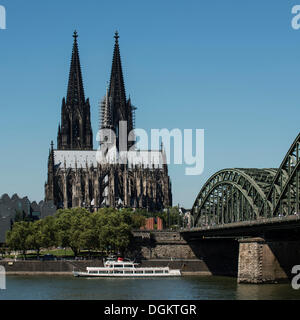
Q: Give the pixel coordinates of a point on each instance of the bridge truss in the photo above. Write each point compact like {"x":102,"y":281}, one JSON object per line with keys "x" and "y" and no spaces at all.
{"x":235,"y":195}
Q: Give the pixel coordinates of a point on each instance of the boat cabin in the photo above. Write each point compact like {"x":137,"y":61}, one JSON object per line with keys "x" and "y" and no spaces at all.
{"x":124,"y":270}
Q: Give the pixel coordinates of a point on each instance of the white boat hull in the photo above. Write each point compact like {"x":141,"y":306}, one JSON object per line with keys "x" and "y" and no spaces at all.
{"x":172,"y":273}
{"x":126,"y":269}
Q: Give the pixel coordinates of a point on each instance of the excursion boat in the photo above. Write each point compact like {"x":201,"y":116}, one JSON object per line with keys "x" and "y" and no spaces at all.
{"x":122,"y":268}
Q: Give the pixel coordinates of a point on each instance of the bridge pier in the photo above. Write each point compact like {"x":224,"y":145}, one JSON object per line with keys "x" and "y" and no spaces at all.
{"x":250,"y":260}
{"x":267,"y":261}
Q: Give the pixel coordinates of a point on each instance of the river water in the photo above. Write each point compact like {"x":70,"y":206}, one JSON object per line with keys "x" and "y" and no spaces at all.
{"x":184,"y":288}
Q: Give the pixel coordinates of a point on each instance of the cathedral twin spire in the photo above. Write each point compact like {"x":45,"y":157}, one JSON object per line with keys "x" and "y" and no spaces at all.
{"x":95,"y":186}
{"x":115,"y":107}
{"x":75,"y":92}
{"x":75,"y":131}
{"x":116,"y":87}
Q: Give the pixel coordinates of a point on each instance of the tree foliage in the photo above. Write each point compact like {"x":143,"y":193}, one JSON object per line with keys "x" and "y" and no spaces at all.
{"x":172,"y":218}
{"x":107,"y":229}
{"x":17,"y":237}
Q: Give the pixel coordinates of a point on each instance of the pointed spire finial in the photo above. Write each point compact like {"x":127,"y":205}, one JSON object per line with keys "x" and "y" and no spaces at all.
{"x":116,"y":36}
{"x":75,"y":93}
{"x":75,"y":35}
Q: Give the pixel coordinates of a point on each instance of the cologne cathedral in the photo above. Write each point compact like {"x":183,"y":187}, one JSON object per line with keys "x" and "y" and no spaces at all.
{"x":76,"y":177}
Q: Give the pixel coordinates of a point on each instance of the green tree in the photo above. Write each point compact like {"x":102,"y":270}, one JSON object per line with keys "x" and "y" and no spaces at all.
{"x":2,"y":250}
{"x":34,"y":238}
{"x":89,"y":237}
{"x":134,"y":219}
{"x":107,"y":229}
{"x":172,"y":217}
{"x":16,"y":239}
{"x":48,"y":233}
{"x":69,"y":227}
{"x":138,"y":221}
{"x":114,"y":229}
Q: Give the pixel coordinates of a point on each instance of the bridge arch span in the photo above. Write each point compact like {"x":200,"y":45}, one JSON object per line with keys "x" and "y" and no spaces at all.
{"x":232,"y":195}
{"x":283,"y":196}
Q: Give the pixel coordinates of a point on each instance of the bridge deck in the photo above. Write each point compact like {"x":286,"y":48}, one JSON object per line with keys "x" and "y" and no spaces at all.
{"x":245,"y":228}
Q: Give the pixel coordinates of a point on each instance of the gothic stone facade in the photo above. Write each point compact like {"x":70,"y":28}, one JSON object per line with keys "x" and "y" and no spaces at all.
{"x":75,"y":177}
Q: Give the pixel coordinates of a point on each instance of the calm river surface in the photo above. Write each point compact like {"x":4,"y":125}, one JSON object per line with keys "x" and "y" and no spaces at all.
{"x":190,"y":288}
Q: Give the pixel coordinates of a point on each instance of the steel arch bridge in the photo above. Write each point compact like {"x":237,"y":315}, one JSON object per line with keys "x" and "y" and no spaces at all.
{"x":240,"y":195}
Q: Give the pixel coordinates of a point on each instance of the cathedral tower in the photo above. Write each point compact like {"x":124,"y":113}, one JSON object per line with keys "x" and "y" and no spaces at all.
{"x":76,"y":177}
{"x":75,"y":131}
{"x":115,"y":107}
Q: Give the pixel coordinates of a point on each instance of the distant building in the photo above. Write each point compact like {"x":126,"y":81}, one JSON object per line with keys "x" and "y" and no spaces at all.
{"x":153,"y":223}
{"x":76,"y":178}
{"x":22,"y":208}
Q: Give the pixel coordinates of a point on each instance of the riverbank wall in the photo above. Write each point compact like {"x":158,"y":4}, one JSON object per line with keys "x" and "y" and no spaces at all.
{"x":154,"y":248}
{"x":162,"y":245}
{"x":65,"y":267}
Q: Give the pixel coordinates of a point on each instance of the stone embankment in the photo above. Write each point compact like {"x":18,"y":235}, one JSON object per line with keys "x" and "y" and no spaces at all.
{"x":65,"y":267}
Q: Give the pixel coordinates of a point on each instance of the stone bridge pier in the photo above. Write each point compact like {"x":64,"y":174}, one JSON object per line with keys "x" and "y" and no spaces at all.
{"x":250,"y":260}
{"x":267,"y":260}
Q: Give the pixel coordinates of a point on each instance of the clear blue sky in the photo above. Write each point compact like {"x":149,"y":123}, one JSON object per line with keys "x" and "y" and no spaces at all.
{"x":229,"y":67}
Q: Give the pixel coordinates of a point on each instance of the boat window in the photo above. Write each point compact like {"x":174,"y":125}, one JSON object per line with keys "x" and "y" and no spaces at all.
{"x":158,"y":271}
{"x":128,"y":271}
{"x":118,"y":265}
{"x":129,"y":266}
{"x":103,"y":272}
{"x":148,"y":271}
{"x":138,"y":271}
{"x":93,"y":272}
{"x":166,"y":271}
